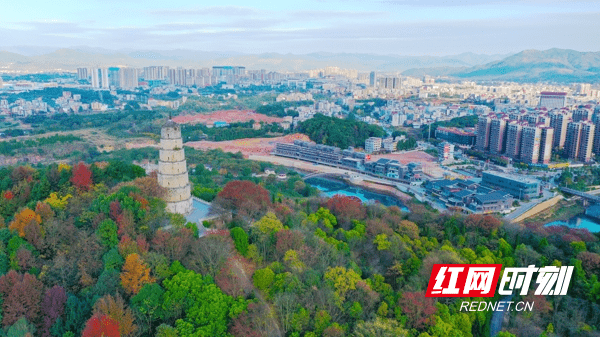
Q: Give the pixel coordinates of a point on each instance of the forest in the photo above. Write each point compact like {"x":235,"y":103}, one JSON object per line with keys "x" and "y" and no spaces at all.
{"x":339,"y":132}
{"x":88,"y":250}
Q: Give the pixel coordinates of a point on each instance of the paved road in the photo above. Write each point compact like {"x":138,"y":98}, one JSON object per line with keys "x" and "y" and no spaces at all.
{"x":498,"y":318}
{"x":529,"y":205}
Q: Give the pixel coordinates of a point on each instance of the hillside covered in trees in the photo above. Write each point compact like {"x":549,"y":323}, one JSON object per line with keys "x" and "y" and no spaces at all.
{"x":339,"y":132}
{"x":88,"y":250}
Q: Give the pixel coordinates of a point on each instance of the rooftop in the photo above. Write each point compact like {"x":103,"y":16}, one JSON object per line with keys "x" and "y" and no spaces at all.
{"x":512,"y":177}
{"x":553,"y":93}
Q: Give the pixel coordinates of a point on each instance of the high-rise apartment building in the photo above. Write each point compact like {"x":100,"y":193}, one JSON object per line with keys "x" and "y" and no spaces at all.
{"x":82,"y":73}
{"x":530,"y":144}
{"x":582,"y":114}
{"x":580,"y":140}
{"x":100,"y":78}
{"x":559,"y":121}
{"x":372,"y":79}
{"x":483,"y":133}
{"x":596,"y":121}
{"x":498,"y":135}
{"x":513,"y":139}
{"x":392,"y":83}
{"x":156,"y":73}
{"x":128,"y":78}
{"x":114,"y":77}
{"x":546,"y":141}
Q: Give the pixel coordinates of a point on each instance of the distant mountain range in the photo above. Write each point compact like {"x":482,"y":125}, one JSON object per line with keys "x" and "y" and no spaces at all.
{"x":554,"y":65}
{"x":43,"y":59}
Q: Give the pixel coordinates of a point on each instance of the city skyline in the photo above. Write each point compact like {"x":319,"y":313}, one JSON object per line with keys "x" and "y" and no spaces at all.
{"x":373,"y":27}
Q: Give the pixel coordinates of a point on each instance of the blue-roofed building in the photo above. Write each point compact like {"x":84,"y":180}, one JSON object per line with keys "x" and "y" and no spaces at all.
{"x":220,"y":124}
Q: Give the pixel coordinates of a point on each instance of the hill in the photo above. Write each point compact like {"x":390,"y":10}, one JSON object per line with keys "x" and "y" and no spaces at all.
{"x":81,"y":56}
{"x":559,"y":65}
{"x":552,"y":65}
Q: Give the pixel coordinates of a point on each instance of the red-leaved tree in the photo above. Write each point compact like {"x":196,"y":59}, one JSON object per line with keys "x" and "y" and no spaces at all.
{"x":487,"y":223}
{"x":419,"y":310}
{"x":101,"y":325}
{"x":8,"y":195}
{"x":22,"y":297}
{"x":346,"y":208}
{"x":82,"y":177}
{"x":244,"y":198}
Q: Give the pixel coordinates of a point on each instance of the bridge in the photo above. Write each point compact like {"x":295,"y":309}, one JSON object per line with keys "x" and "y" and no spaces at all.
{"x":587,"y":196}
{"x":322,"y":174}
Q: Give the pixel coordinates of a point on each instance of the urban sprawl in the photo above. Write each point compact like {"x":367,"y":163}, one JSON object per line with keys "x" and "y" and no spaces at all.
{"x":538,"y":125}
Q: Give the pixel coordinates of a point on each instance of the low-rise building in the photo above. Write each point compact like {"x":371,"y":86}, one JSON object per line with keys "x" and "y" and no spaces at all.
{"x":518,"y":186}
{"x":373,"y":144}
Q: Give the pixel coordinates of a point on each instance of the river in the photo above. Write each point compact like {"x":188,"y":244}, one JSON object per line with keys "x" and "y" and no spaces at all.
{"x":580,"y":221}
{"x":331,"y":187}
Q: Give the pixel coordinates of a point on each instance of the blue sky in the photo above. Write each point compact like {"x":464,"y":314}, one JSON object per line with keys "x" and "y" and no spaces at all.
{"x":405,"y":27}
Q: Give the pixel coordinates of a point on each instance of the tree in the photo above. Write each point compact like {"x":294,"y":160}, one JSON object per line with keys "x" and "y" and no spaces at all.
{"x":240,"y":240}
{"x":244,"y":198}
{"x":107,"y":232}
{"x":82,"y":177}
{"x":117,"y":310}
{"x":53,"y":307}
{"x":206,"y":309}
{"x":380,"y":327}
{"x":346,"y":208}
{"x":101,"y":325}
{"x":418,"y":309}
{"x":487,"y":223}
{"x":135,"y":274}
{"x":234,"y":277}
{"x":269,"y":224}
{"x":263,"y":278}
{"x":76,"y":311}
{"x":22,"y":328}
{"x":148,"y":302}
{"x":342,"y":280}
{"x":24,"y":218}
{"x":22,"y":296}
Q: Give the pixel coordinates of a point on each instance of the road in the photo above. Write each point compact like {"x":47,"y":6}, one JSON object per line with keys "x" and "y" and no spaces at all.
{"x":498,"y":318}
{"x":529,"y":205}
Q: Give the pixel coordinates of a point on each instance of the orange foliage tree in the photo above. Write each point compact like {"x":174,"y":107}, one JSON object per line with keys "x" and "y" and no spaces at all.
{"x":135,"y":274}
{"x":116,"y":309}
{"x":82,"y":177}
{"x":24,"y":218}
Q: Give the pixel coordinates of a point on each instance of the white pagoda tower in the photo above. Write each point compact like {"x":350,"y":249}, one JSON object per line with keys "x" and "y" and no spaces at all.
{"x":172,"y":169}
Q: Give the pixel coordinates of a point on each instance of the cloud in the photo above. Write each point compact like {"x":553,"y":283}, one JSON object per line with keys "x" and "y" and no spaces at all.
{"x":215,"y":10}
{"x":463,"y":3}
{"x":256,"y":35}
{"x":308,"y":14}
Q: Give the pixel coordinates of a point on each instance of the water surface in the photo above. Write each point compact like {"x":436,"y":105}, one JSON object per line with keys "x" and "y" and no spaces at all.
{"x":330,"y":187}
{"x":580,"y":221}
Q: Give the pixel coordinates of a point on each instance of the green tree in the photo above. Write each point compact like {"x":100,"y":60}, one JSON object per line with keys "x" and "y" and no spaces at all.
{"x":263,"y":278}
{"x":205,"y":309}
{"x":107,"y":232}
{"x":240,"y":239}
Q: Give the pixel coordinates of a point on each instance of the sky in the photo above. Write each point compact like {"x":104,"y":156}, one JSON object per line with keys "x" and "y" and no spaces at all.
{"x":401,"y":27}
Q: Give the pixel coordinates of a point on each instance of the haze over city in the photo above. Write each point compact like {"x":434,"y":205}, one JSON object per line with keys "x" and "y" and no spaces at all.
{"x":377,"y":27}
